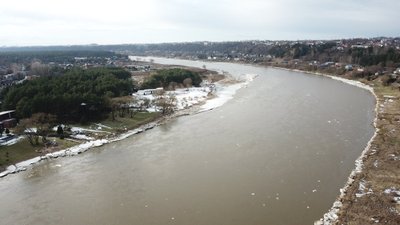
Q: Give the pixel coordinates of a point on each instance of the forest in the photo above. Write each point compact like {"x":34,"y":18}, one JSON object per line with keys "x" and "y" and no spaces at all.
{"x":167,"y":77}
{"x":77,"y":96}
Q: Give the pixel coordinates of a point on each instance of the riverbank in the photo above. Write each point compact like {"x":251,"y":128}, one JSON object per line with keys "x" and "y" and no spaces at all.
{"x":371,"y":195}
{"x":225,"y":89}
{"x":372,"y":191}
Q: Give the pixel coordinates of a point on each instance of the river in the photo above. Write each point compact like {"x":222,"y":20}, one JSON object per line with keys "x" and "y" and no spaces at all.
{"x":275,"y":154}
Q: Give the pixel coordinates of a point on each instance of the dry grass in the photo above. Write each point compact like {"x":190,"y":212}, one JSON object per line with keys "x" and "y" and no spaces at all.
{"x":23,"y":150}
{"x":381,"y":170}
{"x":122,"y":124}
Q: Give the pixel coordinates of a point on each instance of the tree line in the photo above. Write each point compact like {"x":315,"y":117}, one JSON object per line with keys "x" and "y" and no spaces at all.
{"x":26,"y":57}
{"x":78,"y":95}
{"x":172,"y":77}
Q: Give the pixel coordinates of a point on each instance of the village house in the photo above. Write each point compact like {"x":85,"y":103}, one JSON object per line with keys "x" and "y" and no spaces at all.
{"x":7,"y":119}
{"x":148,"y":92}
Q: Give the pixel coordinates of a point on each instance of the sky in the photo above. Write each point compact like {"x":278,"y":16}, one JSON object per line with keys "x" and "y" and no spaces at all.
{"x":69,"y":22}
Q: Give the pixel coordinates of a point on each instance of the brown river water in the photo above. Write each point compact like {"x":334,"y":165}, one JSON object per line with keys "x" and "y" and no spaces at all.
{"x":275,"y":154}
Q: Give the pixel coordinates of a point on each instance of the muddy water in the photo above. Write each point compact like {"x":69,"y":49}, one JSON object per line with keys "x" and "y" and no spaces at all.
{"x":276,"y":154}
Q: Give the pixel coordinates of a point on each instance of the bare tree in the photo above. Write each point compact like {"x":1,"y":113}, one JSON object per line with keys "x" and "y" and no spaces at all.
{"x":145,"y":104}
{"x":172,"y":86}
{"x":40,"y":69}
{"x":167,"y":103}
{"x":38,"y":125}
{"x":187,"y":82}
{"x":15,"y":67}
{"x":122,"y":106}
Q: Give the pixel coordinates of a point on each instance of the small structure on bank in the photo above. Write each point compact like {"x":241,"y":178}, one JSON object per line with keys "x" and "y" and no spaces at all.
{"x":7,"y":119}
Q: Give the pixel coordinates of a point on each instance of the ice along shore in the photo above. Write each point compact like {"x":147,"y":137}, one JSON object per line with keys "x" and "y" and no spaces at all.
{"x":371,"y":193}
{"x":224,"y":92}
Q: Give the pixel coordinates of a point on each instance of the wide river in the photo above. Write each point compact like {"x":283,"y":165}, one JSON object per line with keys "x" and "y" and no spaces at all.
{"x":275,"y":154}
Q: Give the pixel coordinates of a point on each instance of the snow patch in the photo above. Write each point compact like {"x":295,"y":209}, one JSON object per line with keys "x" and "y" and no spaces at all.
{"x":352,"y":82}
{"x":82,"y":137}
{"x":11,"y":140}
{"x":102,"y":125}
{"x":186,"y":98}
{"x":80,"y":130}
{"x":362,"y":189}
{"x":22,"y":166}
{"x":395,"y":192}
{"x":393,"y":157}
{"x":225,"y":93}
{"x":376,"y":164}
{"x":75,"y":150}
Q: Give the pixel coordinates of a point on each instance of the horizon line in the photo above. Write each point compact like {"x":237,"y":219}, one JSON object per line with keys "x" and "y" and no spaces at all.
{"x":188,"y":42}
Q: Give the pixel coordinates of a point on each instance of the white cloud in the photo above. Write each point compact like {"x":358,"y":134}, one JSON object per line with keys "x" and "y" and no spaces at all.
{"x":42,"y":22}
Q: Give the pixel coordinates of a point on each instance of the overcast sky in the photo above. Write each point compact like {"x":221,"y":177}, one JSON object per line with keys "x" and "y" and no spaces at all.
{"x":44,"y":22}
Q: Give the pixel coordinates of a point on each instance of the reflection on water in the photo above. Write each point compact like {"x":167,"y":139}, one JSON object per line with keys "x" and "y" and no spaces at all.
{"x":276,"y":154}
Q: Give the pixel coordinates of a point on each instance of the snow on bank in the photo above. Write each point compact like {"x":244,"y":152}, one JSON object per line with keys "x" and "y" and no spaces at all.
{"x":225,"y":93}
{"x":331,"y":216}
{"x":141,"y":129}
{"x":352,"y":82}
{"x":80,"y":130}
{"x":344,"y":80}
{"x":185,"y":98}
{"x":75,"y":150}
{"x":7,"y":140}
{"x":82,"y":137}
{"x":362,"y":189}
{"x":22,"y":166}
{"x":394,"y":193}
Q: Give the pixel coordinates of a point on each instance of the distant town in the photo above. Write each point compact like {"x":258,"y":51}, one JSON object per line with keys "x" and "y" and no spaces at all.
{"x":370,"y":58}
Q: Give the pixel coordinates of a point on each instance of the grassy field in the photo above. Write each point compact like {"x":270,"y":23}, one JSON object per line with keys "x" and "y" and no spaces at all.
{"x":121,"y":124}
{"x":381,"y":170}
{"x":23,"y":150}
